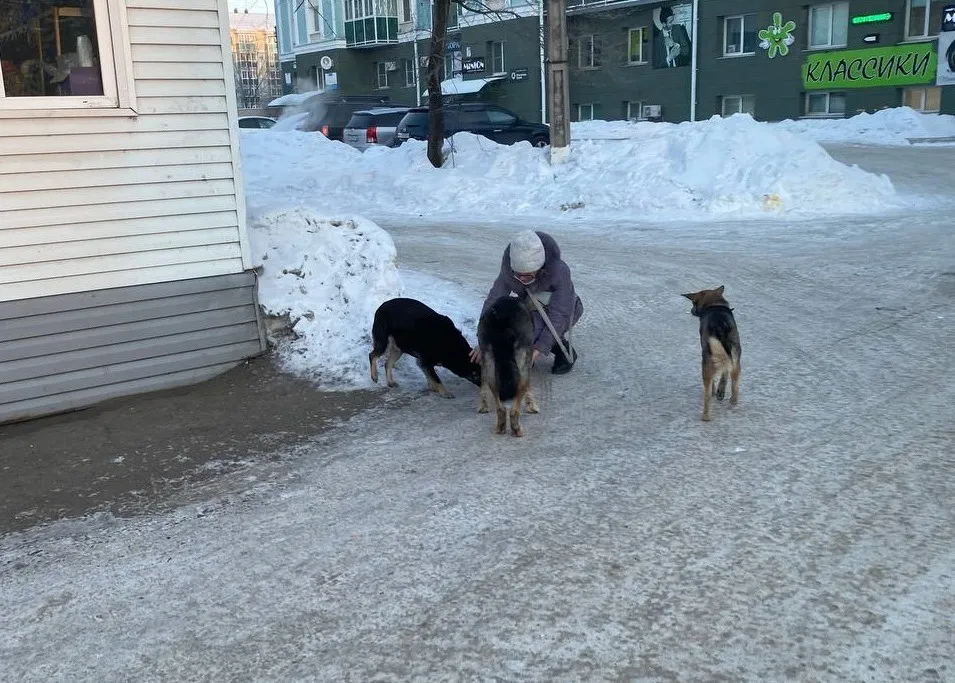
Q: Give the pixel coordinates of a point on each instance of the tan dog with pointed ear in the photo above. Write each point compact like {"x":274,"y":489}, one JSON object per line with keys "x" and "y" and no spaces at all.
{"x":719,"y":340}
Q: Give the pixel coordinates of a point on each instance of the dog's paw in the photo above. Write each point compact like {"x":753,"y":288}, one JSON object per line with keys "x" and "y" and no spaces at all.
{"x":734,"y":400}
{"x":447,"y":394}
{"x":482,"y":409}
{"x":517,"y":432}
{"x":706,"y":417}
{"x":392,"y":384}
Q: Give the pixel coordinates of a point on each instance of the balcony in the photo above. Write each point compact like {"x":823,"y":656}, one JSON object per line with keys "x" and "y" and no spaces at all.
{"x":370,"y":23}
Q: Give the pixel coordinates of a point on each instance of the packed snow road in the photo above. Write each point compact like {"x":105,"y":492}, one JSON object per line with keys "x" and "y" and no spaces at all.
{"x":805,"y":535}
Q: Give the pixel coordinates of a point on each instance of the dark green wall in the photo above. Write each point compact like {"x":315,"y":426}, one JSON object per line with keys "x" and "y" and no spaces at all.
{"x":775,"y":83}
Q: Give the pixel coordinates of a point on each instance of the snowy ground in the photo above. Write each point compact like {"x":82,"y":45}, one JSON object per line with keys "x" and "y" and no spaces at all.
{"x":807,"y":535}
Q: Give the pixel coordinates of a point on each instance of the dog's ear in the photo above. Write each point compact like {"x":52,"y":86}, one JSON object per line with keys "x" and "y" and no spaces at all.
{"x":688,"y":296}
{"x":719,"y":290}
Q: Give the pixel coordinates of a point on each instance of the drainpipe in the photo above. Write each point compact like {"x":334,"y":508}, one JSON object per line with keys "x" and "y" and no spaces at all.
{"x":417,"y":61}
{"x":540,"y":39}
{"x":693,"y":58}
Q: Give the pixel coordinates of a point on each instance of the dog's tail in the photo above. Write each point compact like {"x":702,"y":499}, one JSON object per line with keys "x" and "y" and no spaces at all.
{"x":506,"y":369}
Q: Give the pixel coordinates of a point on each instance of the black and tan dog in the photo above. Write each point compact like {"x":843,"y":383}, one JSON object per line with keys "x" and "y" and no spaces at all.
{"x":719,"y":339}
{"x":506,"y":337}
{"x":404,"y":325}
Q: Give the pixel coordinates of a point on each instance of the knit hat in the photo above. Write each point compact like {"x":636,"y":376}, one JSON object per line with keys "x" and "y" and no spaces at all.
{"x":527,"y":252}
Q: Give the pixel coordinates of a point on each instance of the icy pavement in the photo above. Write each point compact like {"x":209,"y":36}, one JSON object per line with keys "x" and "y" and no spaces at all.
{"x":807,"y":535}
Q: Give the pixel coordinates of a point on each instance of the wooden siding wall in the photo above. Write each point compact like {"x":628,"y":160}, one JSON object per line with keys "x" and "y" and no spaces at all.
{"x":69,"y":351}
{"x":89,"y":203}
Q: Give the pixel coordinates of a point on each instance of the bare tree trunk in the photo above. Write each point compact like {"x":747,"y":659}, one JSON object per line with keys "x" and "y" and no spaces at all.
{"x":558,"y":85}
{"x":439,"y":26}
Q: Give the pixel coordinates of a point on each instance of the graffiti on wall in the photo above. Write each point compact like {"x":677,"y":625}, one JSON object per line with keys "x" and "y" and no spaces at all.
{"x":671,"y":36}
{"x":777,"y":37}
{"x":946,"y":48}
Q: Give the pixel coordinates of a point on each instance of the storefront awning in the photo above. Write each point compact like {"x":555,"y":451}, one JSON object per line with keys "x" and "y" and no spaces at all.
{"x":458,"y":86}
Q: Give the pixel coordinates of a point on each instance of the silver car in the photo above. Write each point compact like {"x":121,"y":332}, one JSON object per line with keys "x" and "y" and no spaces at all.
{"x":373,"y":127}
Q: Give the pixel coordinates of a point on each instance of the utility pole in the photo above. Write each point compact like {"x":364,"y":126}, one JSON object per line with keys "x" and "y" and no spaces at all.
{"x":558,"y":81}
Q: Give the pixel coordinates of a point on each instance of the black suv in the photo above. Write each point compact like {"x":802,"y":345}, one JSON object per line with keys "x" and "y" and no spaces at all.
{"x":329,"y":114}
{"x":491,"y":121}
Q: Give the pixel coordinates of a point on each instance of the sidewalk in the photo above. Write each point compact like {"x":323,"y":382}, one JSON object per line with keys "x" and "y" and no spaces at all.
{"x":132,"y":455}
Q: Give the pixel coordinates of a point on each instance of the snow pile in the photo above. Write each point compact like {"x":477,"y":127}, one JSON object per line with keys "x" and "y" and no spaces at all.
{"x":731,"y":167}
{"x":886,"y":127}
{"x":326,"y":277}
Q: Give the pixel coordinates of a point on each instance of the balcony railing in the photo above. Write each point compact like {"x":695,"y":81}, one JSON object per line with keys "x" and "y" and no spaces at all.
{"x":371,"y":22}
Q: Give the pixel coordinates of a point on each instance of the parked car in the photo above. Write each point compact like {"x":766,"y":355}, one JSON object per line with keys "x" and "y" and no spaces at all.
{"x":256,"y":122}
{"x":373,"y":127}
{"x":329,"y":114}
{"x":489,"y":120}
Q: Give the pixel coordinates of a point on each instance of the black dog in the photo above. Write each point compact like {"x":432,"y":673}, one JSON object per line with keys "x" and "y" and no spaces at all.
{"x":409,"y":326}
{"x":506,"y":336}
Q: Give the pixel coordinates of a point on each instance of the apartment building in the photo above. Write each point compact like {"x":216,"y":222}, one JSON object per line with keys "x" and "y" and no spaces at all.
{"x":632,"y":59}
{"x":258,"y":78}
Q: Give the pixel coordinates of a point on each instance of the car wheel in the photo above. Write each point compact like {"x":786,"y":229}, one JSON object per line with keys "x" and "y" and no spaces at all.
{"x":539,"y":142}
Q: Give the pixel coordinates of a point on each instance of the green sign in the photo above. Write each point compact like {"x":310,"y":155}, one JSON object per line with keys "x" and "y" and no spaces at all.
{"x":876,"y":67}
{"x":872,"y":18}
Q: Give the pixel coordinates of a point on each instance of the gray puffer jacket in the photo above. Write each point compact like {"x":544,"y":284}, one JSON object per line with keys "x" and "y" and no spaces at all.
{"x":564,"y":307}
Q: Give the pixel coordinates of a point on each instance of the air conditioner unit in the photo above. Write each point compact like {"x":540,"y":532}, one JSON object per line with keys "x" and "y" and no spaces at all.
{"x":391,"y":66}
{"x":651,"y":112}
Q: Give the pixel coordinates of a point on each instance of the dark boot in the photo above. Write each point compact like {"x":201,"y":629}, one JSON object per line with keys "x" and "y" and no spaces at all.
{"x":561,"y":365}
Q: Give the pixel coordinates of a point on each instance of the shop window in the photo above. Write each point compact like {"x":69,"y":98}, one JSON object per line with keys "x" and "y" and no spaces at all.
{"x":927,"y":99}
{"x":923,"y":18}
{"x":382,"y":69}
{"x":828,"y":25}
{"x":409,"y":73}
{"x":825,"y":104}
{"x":739,"y":35}
{"x":639,"y":46}
{"x":737,"y":104}
{"x":588,"y":52}
{"x":495,"y":52}
{"x":61,"y":56}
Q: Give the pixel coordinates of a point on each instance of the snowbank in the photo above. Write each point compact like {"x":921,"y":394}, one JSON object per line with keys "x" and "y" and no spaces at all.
{"x":325,"y":277}
{"x":720,"y":167}
{"x":886,"y":127}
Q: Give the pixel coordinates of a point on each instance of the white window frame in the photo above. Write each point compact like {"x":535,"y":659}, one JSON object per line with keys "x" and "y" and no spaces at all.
{"x":831,"y":8}
{"x":381,"y":68}
{"x":591,"y":40}
{"x":410,"y":82}
{"x":742,"y":36}
{"x":927,"y":30}
{"x":828,"y":95}
{"x":497,"y":46}
{"x":116,"y":72}
{"x":638,"y":116}
{"x":580,"y":110}
{"x":405,"y":17}
{"x":739,"y":109}
{"x":315,"y":22}
{"x":643,"y":30}
{"x":923,"y":90}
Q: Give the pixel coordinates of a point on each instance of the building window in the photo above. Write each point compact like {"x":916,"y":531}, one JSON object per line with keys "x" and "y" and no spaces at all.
{"x":737,"y":104}
{"x":825,"y":104}
{"x":739,"y":35}
{"x":927,"y":99}
{"x":382,"y":68}
{"x":639,"y":46}
{"x":409,"y":73}
{"x":633,"y":110}
{"x":588,"y":52}
{"x":828,"y":25}
{"x":84,"y":74}
{"x":923,"y":18}
{"x":588,"y":112}
{"x":496,"y":52}
{"x":318,"y":75}
{"x":317,"y":21}
{"x":405,"y":11}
